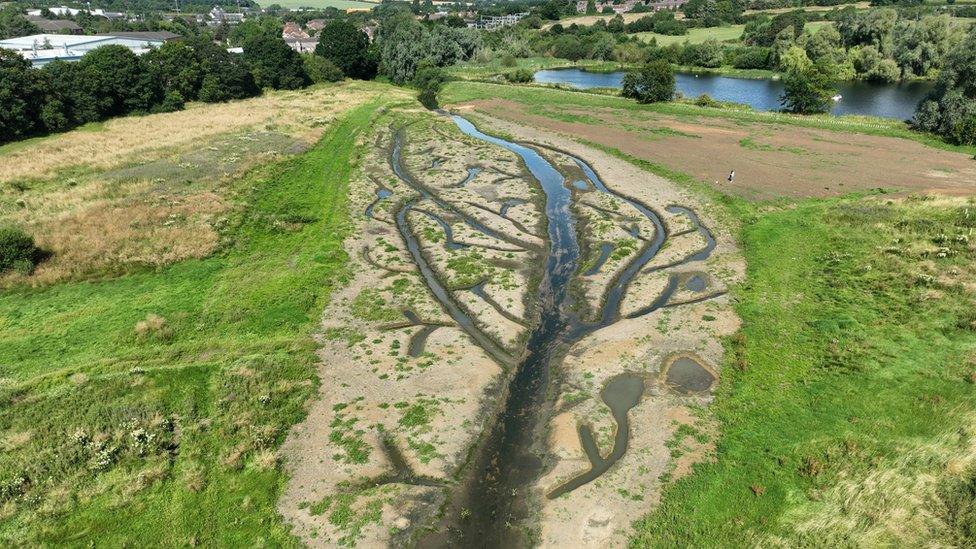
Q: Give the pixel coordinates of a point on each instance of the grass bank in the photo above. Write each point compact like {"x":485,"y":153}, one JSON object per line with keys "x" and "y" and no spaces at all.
{"x":845,"y":407}
{"x":149,"y":406}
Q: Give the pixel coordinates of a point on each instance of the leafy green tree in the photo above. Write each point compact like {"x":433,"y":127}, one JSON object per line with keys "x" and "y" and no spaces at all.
{"x":550,"y":10}
{"x":602,"y":46}
{"x":920,"y":47}
{"x":707,"y":54}
{"x":825,"y":45}
{"x":616,"y":24}
{"x":785,"y":40}
{"x":320,"y":69}
{"x":405,"y":44}
{"x":250,"y":28}
{"x":14,"y":24}
{"x":273,"y":63}
{"x":21,"y":97}
{"x":665,"y":23}
{"x":795,"y":60}
{"x":176,"y":67}
{"x":58,"y":113}
{"x":225,"y":77}
{"x":17,"y":250}
{"x":590,"y":7}
{"x":807,"y":92}
{"x":428,"y":79}
{"x":651,"y":83}
{"x":644,"y":24}
{"x":342,"y":43}
{"x":870,"y":28}
{"x":872,"y":66}
{"x":568,"y":46}
{"x":519,"y":76}
{"x":950,"y":110}
{"x":764,"y":31}
{"x":113,"y":81}
{"x":751,"y":57}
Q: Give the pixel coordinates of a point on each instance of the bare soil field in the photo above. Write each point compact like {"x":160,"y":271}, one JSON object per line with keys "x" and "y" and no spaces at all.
{"x":770,"y":160}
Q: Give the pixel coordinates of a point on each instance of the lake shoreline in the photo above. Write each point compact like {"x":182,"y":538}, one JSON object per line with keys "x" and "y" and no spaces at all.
{"x":891,"y":101}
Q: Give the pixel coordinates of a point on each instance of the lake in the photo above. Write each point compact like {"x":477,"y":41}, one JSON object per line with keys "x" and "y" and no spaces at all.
{"x":896,"y":101}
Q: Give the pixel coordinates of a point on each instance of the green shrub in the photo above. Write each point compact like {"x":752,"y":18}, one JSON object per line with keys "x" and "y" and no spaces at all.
{"x":520,"y":76}
{"x":320,"y":69}
{"x":508,"y":60}
{"x":705,"y":100}
{"x":651,"y":83}
{"x":17,"y":250}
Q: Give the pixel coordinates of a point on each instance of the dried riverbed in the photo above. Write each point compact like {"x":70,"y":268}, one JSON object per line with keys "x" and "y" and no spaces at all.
{"x":495,"y":373}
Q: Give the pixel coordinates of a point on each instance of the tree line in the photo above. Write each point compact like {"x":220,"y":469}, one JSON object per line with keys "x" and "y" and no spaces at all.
{"x":113,"y":81}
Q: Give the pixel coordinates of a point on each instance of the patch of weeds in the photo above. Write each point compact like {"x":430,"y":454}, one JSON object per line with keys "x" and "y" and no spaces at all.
{"x":751,"y":144}
{"x":370,"y":305}
{"x":351,"y":336}
{"x":345,"y":435}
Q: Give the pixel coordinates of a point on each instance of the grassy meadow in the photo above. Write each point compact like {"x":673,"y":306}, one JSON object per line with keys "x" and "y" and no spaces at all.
{"x":695,"y":35}
{"x":845,"y":408}
{"x":146,"y":402}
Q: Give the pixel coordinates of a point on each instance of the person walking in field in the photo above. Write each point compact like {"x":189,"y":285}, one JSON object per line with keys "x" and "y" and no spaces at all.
{"x":731,"y":176}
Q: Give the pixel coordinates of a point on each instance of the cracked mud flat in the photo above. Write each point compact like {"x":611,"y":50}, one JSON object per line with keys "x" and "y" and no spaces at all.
{"x":447,"y":289}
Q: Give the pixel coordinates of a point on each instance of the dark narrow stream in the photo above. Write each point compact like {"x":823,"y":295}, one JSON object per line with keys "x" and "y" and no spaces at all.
{"x":492,"y":504}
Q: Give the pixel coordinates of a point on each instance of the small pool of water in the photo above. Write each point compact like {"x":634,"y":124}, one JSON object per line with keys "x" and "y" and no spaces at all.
{"x":687,"y":376}
{"x":695,"y":283}
{"x":896,"y":101}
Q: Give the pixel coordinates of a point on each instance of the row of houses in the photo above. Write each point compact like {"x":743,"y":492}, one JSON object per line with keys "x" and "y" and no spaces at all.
{"x":305,"y":40}
{"x":216,"y":17}
{"x":628,"y":5}
{"x":497,"y":21}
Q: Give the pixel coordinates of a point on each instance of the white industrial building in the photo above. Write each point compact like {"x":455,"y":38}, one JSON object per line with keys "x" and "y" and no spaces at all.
{"x":41,"y":49}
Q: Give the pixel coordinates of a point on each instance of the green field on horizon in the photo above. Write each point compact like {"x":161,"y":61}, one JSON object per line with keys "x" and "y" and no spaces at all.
{"x":320,"y":4}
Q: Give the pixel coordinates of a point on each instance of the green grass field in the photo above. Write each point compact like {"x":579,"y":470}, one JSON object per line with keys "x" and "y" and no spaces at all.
{"x":148,"y":407}
{"x":848,"y":383}
{"x":722,"y":34}
{"x":695,"y":35}
{"x":321,"y":4}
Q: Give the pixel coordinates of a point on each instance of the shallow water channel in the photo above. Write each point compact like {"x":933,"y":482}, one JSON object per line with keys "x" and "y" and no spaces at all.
{"x":491,"y":503}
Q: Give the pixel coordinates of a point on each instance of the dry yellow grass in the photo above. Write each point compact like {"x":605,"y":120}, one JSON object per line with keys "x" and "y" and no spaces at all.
{"x":899,"y":503}
{"x":302,"y":113}
{"x":90,"y":233}
{"x":153,"y":190}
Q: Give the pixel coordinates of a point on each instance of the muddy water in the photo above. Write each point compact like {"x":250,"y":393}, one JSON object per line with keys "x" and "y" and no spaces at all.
{"x":622,"y":393}
{"x":507,"y":463}
{"x":687,"y":376}
{"x":492,"y":504}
